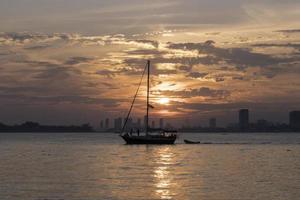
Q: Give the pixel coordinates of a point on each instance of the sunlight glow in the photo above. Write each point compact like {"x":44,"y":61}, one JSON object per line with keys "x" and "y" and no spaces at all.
{"x":164,"y":101}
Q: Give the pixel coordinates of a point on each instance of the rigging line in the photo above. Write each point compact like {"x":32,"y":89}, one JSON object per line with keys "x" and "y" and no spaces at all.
{"x":133,"y":100}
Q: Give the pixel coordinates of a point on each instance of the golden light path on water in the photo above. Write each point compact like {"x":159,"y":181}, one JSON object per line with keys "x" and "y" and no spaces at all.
{"x":162,"y":173}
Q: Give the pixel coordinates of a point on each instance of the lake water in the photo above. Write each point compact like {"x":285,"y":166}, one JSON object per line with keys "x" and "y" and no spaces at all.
{"x":95,"y":166}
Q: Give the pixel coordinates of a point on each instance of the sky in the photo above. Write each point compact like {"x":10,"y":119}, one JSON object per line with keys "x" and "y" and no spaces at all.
{"x":75,"y":61}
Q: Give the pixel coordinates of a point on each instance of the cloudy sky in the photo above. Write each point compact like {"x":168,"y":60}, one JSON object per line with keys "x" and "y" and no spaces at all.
{"x":75,"y":61}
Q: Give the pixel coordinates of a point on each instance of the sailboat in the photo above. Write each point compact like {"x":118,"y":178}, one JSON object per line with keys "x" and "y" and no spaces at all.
{"x":151,"y":136}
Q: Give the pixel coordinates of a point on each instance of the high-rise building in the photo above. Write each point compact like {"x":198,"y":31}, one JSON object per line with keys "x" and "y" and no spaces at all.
{"x":153,"y":124}
{"x":244,"y":119}
{"x":101,"y":124}
{"x":295,"y":120}
{"x":118,"y":123}
{"x":139,"y":123}
{"x":161,"y":123}
{"x":129,"y":124}
{"x":212,"y":123}
{"x":106,"y":123}
{"x":145,"y":122}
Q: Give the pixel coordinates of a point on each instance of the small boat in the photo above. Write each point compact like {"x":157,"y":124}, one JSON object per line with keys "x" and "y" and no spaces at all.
{"x":150,"y":137}
{"x":191,"y":142}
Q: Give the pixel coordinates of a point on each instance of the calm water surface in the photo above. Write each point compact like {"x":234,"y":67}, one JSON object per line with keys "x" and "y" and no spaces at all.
{"x":85,"y":166}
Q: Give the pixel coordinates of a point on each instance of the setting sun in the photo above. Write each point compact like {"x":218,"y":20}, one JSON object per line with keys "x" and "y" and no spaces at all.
{"x":164,"y":100}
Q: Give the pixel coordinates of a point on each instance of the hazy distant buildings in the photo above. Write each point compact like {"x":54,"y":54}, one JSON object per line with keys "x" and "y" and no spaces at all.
{"x":295,"y":120}
{"x":161,"y":123}
{"x":129,"y":124}
{"x":118,"y":124}
{"x":145,"y":122}
{"x":101,"y":124}
{"x":139,"y":123}
{"x":243,"y":119}
{"x":106,"y":123}
{"x":212,"y":123}
{"x":153,"y":124}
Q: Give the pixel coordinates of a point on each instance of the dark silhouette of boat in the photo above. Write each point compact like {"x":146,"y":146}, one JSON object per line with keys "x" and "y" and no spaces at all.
{"x":150,"y":136}
{"x":150,"y":139}
{"x":191,"y":142}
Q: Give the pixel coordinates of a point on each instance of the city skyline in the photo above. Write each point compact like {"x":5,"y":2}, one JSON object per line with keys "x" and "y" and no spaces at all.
{"x":244,"y":122}
{"x":72,"y":62}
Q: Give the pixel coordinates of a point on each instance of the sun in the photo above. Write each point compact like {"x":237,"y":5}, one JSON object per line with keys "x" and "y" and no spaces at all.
{"x":164,"y":100}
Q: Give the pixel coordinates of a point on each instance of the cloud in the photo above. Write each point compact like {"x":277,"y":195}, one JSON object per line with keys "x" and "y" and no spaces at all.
{"x":110,"y":73}
{"x":201,"y":92}
{"x":21,"y":89}
{"x":73,"y":99}
{"x":33,"y":73}
{"x":196,"y":75}
{"x":285,"y":45}
{"x":78,"y":60}
{"x":240,"y":57}
{"x":186,"y":68}
{"x":56,"y":73}
{"x":289,"y":31}
{"x":13,"y":38}
{"x":37,"y":47}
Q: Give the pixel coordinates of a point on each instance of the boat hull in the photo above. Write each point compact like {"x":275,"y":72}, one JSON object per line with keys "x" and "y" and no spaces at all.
{"x":191,"y":142}
{"x":149,"y":139}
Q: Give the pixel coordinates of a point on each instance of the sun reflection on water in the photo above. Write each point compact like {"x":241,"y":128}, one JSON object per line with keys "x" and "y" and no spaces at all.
{"x":164,"y":183}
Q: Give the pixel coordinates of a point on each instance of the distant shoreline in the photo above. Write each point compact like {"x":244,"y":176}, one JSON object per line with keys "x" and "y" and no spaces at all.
{"x":107,"y":132}
{"x":32,"y":127}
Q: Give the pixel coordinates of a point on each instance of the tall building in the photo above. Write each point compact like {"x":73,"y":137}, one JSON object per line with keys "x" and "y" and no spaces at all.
{"x":106,"y":123}
{"x":101,"y":124}
{"x":161,"y":123}
{"x":145,"y":122}
{"x":139,"y":123}
{"x":212,"y":123}
{"x":295,"y":120}
{"x":118,"y":123}
{"x":153,"y":124}
{"x":244,"y":119}
{"x":129,"y":124}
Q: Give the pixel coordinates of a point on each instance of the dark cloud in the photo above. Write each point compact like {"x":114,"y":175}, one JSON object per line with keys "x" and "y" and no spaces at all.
{"x":106,"y":72}
{"x":74,"y":99}
{"x":288,"y":45}
{"x":21,"y":89}
{"x":196,"y":75}
{"x":219,"y":79}
{"x":21,"y":37}
{"x":55,"y":73}
{"x":110,"y":85}
{"x":160,"y":59}
{"x":242,"y":57}
{"x":238,"y":78}
{"x":38,"y":63}
{"x":201,"y":92}
{"x":185,"y":68}
{"x":37,"y":47}
{"x":151,"y":42}
{"x":146,"y":52}
{"x":52,"y":70}
{"x":289,"y":31}
{"x":118,"y":71}
{"x":78,"y":60}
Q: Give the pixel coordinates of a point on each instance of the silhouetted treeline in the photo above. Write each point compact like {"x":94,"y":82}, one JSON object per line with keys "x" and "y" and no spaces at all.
{"x":36,"y":127}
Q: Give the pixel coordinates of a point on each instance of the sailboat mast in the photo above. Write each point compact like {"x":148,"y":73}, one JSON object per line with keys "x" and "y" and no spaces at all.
{"x":148,"y":89}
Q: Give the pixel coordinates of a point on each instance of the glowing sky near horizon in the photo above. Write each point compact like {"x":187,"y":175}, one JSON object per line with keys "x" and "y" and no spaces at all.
{"x":79,"y":61}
